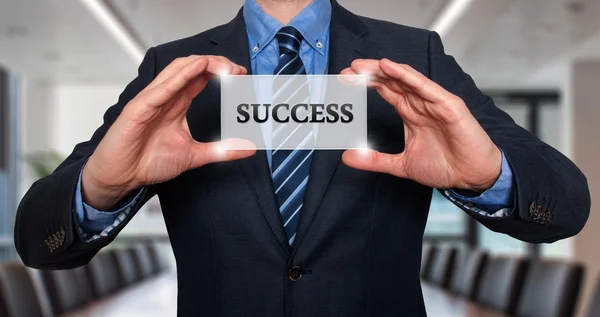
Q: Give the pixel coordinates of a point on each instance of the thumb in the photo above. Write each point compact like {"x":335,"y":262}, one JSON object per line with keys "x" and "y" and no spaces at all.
{"x":221,"y":151}
{"x":374,"y":161}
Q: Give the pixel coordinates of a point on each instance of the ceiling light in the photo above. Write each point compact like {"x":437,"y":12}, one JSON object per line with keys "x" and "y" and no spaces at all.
{"x":576,"y":6}
{"x":111,"y":23}
{"x":15,"y":31}
{"x":451,"y":13}
{"x":53,"y":57}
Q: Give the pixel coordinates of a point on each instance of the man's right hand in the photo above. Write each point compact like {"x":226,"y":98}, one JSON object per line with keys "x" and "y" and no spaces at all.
{"x":150,"y":141}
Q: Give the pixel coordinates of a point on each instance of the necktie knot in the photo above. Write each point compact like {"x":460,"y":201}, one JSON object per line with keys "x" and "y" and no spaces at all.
{"x":289,"y":39}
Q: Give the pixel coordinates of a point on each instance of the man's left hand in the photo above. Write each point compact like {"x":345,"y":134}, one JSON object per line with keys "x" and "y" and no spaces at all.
{"x":445,"y":146}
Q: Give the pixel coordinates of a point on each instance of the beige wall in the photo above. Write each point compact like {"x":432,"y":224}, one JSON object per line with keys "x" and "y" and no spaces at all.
{"x":57,"y":116}
{"x":586,"y":153}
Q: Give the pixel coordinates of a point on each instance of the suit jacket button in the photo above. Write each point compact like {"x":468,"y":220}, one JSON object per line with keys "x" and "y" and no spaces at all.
{"x":295,"y":273}
{"x":532,"y":207}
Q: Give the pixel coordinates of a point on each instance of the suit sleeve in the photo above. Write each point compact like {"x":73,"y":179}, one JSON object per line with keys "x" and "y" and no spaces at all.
{"x":552,"y":199}
{"x":47,"y":234}
{"x":495,"y":202}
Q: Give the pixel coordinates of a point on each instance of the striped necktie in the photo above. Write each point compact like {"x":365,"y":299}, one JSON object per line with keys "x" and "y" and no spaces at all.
{"x":290,"y":166}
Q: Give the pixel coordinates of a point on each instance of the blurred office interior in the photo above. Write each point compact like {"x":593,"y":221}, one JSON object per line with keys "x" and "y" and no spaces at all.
{"x":64,"y":62}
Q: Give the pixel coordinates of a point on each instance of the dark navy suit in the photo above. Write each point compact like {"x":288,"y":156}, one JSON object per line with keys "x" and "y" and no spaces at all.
{"x":358,"y":246}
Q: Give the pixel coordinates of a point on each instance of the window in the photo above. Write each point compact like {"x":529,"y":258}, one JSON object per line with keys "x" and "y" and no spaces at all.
{"x":445,"y":219}
{"x":8,"y":163}
{"x":535,"y":110}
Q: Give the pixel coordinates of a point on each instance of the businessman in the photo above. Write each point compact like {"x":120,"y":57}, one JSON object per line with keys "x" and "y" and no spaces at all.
{"x":343,"y":236}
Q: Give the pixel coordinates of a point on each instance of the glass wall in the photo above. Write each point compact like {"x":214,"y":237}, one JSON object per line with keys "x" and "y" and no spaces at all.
{"x":9,"y":162}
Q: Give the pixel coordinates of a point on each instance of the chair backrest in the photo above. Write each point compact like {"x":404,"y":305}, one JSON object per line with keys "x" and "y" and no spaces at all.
{"x":442,"y":266}
{"x":128,"y":272}
{"x":502,"y":282}
{"x":18,"y":296}
{"x":142,"y":260}
{"x":427,"y":254}
{"x":103,"y":274}
{"x":594,"y":310}
{"x":551,"y":289}
{"x":66,"y":289}
{"x":468,"y":271}
{"x":157,"y":262}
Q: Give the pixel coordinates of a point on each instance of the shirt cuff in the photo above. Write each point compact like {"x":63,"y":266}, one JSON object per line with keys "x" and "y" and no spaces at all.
{"x":500,"y":197}
{"x":92,"y":221}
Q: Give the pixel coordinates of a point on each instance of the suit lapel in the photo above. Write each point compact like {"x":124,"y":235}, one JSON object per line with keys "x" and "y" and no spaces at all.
{"x":233,"y":43}
{"x":346,"y":43}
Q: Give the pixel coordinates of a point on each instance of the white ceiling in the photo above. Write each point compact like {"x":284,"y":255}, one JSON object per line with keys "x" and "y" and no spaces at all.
{"x":59,"y":40}
{"x":500,"y":42}
{"x":159,"y":21}
{"x":521,"y":37}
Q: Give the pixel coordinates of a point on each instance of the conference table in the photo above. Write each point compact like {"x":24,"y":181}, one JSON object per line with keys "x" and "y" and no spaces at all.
{"x":157,"y":296}
{"x":153,"y":297}
{"x":439,"y":302}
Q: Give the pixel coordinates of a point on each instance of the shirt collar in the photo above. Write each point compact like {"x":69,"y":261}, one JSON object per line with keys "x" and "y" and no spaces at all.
{"x":312,"y":23}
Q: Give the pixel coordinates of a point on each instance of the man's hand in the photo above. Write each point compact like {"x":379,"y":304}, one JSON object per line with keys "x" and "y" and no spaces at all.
{"x":150,"y":141}
{"x":445,"y":147}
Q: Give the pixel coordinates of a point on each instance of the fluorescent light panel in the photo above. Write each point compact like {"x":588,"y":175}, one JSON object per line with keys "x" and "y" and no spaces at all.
{"x":451,"y":13}
{"x":111,"y":23}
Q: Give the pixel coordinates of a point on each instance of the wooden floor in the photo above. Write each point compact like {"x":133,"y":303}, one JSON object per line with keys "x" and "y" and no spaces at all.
{"x":158,"y":297}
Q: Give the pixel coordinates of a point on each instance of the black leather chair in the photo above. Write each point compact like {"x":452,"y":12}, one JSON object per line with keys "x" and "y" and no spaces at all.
{"x":468,"y":271}
{"x":66,"y":289}
{"x":154,"y":257}
{"x":103,"y":274}
{"x":502,"y":283}
{"x":159,"y":263}
{"x":594,"y":310}
{"x":18,"y":297}
{"x":427,"y":254}
{"x":142,"y":260}
{"x":442,"y":266}
{"x":551,"y":289}
{"x":127,"y":268}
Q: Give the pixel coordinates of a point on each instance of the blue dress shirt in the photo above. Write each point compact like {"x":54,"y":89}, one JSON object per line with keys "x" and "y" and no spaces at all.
{"x":313,"y":22}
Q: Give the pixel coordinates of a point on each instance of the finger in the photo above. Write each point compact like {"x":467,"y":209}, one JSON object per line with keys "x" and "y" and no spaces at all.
{"x":348,"y":77}
{"x":222,"y":151}
{"x":374,"y":161}
{"x":391,"y":96}
{"x":347,"y":71}
{"x":177,"y":65}
{"x":368,"y":67}
{"x":371,"y":69}
{"x":194,"y":88}
{"x":236,"y":69}
{"x":242,"y":69}
{"x":422,"y":85}
{"x":185,"y":97}
{"x":170,"y":87}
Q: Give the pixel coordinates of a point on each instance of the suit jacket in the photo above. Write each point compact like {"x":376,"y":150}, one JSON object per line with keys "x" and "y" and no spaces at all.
{"x":358,"y":245}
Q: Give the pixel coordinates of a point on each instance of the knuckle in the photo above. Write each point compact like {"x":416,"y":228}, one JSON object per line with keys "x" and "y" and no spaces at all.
{"x":422,"y":84}
{"x":169,"y":89}
{"x":406,"y":66}
{"x":455,"y":100}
